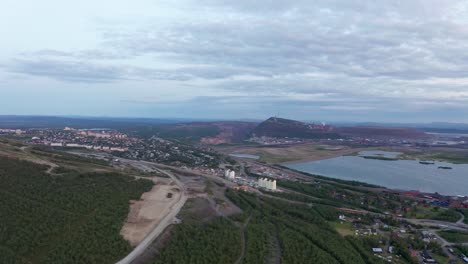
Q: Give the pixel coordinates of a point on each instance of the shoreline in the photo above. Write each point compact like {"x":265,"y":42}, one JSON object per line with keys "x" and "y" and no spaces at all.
{"x":386,"y":188}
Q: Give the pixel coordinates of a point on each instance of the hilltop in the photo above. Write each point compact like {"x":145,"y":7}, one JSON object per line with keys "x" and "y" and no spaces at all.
{"x":281,"y":128}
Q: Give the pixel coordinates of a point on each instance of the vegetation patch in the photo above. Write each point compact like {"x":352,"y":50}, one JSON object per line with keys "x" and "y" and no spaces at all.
{"x":379,"y":158}
{"x":434,"y":213}
{"x":454,"y":236}
{"x":62,"y":219}
{"x":293,"y":233}
{"x":215,"y":242}
{"x":465,"y":213}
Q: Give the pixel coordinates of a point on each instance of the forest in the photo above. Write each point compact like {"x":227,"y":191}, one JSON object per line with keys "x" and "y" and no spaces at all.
{"x":273,"y":231}
{"x":67,"y":218}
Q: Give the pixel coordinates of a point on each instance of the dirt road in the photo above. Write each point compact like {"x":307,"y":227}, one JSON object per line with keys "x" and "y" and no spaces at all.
{"x":165,"y":222}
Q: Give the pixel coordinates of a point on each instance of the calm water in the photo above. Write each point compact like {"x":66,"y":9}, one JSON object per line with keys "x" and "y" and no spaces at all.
{"x":248,"y":156}
{"x":399,"y":174}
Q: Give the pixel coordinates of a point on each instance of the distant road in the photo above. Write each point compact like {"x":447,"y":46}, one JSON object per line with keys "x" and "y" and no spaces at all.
{"x":442,"y":224}
{"x":165,"y":222}
{"x":462,"y":219}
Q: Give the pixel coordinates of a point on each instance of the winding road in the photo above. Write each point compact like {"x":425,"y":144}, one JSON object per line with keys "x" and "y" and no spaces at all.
{"x":462,"y":219}
{"x":165,"y":222}
{"x":243,"y":238}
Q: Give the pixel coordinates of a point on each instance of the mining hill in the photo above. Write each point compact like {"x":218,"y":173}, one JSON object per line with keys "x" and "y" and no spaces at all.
{"x":281,"y":128}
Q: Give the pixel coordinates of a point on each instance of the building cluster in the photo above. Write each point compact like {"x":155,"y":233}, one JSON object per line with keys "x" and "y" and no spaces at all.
{"x":109,"y":140}
{"x":390,"y":228}
{"x":173,"y":153}
{"x":8,"y":131}
{"x":98,"y":133}
{"x":95,"y":139}
{"x":250,"y":182}
{"x":267,"y":184}
{"x":439,"y":200}
{"x":321,"y":127}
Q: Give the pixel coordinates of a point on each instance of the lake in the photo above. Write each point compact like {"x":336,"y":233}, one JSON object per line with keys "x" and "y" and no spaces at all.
{"x":248,"y":156}
{"x":398,"y":174}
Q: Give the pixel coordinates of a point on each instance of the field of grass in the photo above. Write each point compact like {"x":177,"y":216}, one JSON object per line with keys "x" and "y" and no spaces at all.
{"x":454,"y":236}
{"x":344,"y":228}
{"x":442,"y":214}
{"x":289,"y":153}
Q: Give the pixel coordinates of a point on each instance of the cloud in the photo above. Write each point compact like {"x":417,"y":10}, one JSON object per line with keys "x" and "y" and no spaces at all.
{"x":325,"y":55}
{"x":67,"y":71}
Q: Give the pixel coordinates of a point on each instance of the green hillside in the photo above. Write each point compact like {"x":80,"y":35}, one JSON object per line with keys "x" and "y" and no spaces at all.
{"x":68,"y":218}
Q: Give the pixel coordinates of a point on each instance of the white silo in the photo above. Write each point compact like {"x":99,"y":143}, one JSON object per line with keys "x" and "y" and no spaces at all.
{"x":226,"y":173}
{"x":232,"y":175}
{"x":273,"y":187}
{"x":261,"y":182}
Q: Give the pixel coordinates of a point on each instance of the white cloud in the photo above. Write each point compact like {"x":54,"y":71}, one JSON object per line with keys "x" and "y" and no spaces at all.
{"x":352,"y":55}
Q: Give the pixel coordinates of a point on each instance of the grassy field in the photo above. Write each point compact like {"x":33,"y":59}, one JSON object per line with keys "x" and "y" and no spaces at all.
{"x":441,"y":214}
{"x":289,"y":153}
{"x":343,"y":228}
{"x":454,"y":236}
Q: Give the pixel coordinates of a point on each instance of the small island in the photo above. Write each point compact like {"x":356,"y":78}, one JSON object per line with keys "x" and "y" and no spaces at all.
{"x":444,"y":167}
{"x":426,"y":162}
{"x":379,"y":158}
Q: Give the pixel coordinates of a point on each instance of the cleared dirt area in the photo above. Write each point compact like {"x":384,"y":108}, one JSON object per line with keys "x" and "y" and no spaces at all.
{"x":148,"y":212}
{"x":211,"y":190}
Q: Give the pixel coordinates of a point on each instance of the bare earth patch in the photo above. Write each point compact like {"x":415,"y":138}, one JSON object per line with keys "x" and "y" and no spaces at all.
{"x":147,"y":213}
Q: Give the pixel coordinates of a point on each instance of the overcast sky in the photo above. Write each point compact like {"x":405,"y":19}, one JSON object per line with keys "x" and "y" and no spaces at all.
{"x":348,"y":60}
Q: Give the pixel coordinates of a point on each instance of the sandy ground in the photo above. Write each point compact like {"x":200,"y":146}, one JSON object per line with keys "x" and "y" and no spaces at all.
{"x":148,"y":212}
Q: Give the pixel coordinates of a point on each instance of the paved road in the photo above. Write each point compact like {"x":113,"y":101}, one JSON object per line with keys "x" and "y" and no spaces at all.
{"x":462,"y":219}
{"x":165,"y":222}
{"x":441,"y":224}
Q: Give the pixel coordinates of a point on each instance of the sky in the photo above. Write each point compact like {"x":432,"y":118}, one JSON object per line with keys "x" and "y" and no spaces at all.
{"x":322,"y":60}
